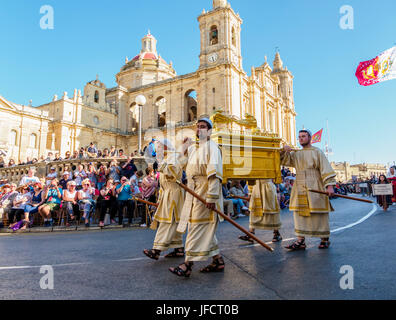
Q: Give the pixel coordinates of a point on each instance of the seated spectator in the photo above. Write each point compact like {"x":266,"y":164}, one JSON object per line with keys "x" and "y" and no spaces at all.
{"x":92,"y":175}
{"x":121,"y":154}
{"x":52,"y":201}
{"x":19,"y":204}
{"x":124,"y":193}
{"x":67,"y":155}
{"x":101,"y":176}
{"x":28,"y":160}
{"x":6,"y":202}
{"x":30,"y":179}
{"x":33,"y":205}
{"x":70,"y":199}
{"x":87,"y":200}
{"x":35,"y":160}
{"x":65,"y":179}
{"x":75,"y":154}
{"x":51,"y":176}
{"x":107,"y":201}
{"x":135,"y":179}
{"x":11,"y":163}
{"x":237,"y":190}
{"x":79,"y":176}
{"x":2,"y":162}
{"x":106,"y":153}
{"x":92,"y":152}
{"x":99,"y":154}
{"x":57,"y":157}
{"x":50,"y":157}
{"x":113,"y":152}
{"x":82,"y":153}
{"x":129,"y":168}
{"x":149,"y":186}
{"x":114,"y":171}
{"x":228,"y":203}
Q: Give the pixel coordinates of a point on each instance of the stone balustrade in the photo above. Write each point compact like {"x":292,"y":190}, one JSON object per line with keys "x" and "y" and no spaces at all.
{"x":15,"y":174}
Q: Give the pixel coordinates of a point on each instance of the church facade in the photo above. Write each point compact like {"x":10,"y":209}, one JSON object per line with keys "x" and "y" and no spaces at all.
{"x":110,"y":116}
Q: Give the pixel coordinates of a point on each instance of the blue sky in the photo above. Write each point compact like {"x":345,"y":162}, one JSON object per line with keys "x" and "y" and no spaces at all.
{"x":94,"y":37}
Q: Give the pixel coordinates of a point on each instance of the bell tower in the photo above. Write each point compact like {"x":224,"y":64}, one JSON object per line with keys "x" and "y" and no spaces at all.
{"x":220,"y":36}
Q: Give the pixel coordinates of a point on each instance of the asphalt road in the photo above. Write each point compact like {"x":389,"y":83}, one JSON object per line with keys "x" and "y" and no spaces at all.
{"x":110,"y":264}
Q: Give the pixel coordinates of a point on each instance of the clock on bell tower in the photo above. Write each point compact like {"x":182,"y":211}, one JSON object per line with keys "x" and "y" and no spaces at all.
{"x":220,"y":36}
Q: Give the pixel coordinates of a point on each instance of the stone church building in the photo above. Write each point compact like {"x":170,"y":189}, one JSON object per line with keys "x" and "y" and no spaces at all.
{"x":110,"y":116}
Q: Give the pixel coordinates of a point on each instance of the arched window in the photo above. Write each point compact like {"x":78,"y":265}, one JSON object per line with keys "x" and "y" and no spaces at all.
{"x":233,"y":37}
{"x":270,"y":120}
{"x":214,"y":35}
{"x":191,"y":105}
{"x":33,"y":140}
{"x":13,"y":138}
{"x":96,"y":97}
{"x":160,"y":103}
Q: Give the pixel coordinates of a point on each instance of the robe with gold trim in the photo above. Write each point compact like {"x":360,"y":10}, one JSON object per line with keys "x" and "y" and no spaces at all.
{"x":313,"y":171}
{"x":170,"y":204}
{"x":264,"y":206}
{"x":204,"y":170}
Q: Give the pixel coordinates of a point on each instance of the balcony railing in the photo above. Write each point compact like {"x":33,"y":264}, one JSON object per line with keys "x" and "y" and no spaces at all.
{"x":15,"y":174}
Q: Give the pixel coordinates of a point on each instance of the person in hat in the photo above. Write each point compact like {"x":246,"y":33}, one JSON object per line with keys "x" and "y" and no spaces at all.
{"x":51,"y":176}
{"x":204,"y":169}
{"x":310,"y":210}
{"x":70,"y":200}
{"x":65,"y":179}
{"x":6,"y":202}
{"x":170,"y":204}
{"x":92,"y":151}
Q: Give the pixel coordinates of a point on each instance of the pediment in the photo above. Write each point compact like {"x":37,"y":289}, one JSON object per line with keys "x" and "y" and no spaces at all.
{"x":4,"y":104}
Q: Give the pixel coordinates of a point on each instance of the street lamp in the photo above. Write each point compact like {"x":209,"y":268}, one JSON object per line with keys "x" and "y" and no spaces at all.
{"x":140,"y":101}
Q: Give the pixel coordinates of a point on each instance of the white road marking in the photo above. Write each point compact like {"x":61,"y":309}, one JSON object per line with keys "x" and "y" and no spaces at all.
{"x":375,"y":208}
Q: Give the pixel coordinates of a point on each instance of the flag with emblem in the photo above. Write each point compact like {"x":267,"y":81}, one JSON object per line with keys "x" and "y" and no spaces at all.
{"x":317,"y":137}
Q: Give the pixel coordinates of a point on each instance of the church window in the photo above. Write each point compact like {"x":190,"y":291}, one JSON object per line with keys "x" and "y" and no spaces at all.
{"x":96,"y":97}
{"x":13,"y":138}
{"x":214,"y":35}
{"x":32,"y":140}
{"x":233,"y":37}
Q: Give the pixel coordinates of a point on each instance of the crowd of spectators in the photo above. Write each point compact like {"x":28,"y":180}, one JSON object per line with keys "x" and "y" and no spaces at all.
{"x":90,"y":152}
{"x":82,"y":193}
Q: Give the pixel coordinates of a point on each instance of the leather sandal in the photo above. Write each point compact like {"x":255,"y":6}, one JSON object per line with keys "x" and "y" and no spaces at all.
{"x":177,"y":253}
{"x":217,"y":265}
{"x":298,"y":245}
{"x":277,"y":237}
{"x":246,"y":238}
{"x":324,"y":244}
{"x":182,"y":273}
{"x":152,"y":254}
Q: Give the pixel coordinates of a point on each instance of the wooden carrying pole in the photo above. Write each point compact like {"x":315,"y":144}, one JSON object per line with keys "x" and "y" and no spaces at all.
{"x":239,"y":197}
{"x":146,"y":202}
{"x":225,"y":216}
{"x":341,"y":196}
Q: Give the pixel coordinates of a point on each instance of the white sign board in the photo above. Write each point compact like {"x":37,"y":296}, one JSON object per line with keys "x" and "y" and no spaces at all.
{"x":382,"y":189}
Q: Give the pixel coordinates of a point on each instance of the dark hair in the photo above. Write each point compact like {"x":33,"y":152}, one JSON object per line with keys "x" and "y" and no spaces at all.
{"x":139,"y":173}
{"x":306,"y":131}
{"x":385,"y":179}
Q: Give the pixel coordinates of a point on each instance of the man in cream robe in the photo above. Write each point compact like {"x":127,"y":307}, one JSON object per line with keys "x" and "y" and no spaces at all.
{"x":264,"y":209}
{"x":204,"y":170}
{"x":170,"y":204}
{"x":311,"y":210}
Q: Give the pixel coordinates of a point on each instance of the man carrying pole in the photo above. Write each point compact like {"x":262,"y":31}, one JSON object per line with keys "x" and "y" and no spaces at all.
{"x":264,"y":210}
{"x":311,"y":210}
{"x":170,"y":204}
{"x":204,"y":169}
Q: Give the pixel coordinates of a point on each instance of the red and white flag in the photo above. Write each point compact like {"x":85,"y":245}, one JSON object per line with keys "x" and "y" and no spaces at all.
{"x":379,"y":69}
{"x":317,"y":137}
